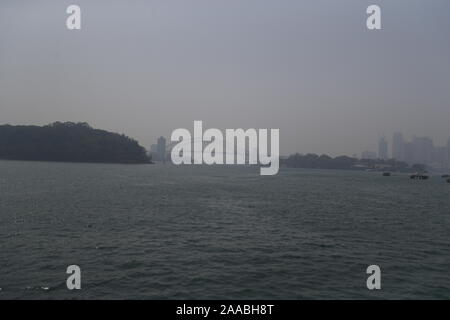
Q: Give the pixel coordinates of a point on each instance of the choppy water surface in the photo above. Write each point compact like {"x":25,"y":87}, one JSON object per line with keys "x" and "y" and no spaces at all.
{"x":151,"y":232}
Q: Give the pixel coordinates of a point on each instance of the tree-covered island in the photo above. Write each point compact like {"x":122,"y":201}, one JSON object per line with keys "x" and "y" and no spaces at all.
{"x":68,"y":142}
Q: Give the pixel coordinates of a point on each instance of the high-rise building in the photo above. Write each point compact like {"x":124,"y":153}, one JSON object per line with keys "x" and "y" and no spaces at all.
{"x":398,"y":145}
{"x":408,"y":153}
{"x":383,"y":149}
{"x":161,"y":148}
{"x":423,"y":150}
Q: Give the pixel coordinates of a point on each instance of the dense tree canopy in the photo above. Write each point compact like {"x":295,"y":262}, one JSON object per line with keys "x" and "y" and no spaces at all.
{"x":70,"y":142}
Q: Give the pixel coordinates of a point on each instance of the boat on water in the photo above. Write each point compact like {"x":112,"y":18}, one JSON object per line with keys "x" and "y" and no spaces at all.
{"x":419,"y":176}
{"x":386,"y":174}
{"x":448,"y":180}
{"x":445,"y":176}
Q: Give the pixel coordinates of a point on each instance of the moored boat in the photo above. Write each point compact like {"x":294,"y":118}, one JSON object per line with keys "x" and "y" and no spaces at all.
{"x":418,"y":176}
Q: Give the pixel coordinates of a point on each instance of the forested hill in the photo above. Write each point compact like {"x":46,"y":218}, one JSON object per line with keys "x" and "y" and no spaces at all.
{"x":68,"y":142}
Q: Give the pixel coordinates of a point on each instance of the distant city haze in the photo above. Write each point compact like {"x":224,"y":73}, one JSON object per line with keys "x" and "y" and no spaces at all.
{"x":418,"y":150}
{"x":310,"y":68}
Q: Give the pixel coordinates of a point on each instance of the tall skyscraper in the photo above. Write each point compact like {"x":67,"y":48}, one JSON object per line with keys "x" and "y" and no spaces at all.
{"x":423,"y":150}
{"x":161,"y":148}
{"x":408,"y":153}
{"x":383,"y":149}
{"x":398,"y":146}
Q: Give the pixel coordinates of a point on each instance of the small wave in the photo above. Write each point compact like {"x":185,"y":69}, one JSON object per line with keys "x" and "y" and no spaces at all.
{"x":38,"y":288}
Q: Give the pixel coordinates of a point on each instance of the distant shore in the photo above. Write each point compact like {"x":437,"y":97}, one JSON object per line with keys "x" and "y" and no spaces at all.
{"x":314,"y":161}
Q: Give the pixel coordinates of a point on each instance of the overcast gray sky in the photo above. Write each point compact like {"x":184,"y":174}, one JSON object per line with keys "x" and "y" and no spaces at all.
{"x":309,"y":68}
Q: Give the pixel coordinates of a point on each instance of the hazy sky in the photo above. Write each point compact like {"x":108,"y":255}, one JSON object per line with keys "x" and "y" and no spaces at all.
{"x":309,"y":68}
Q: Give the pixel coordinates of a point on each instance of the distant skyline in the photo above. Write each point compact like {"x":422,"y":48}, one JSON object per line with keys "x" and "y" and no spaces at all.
{"x":417,"y":150}
{"x":309,"y":68}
